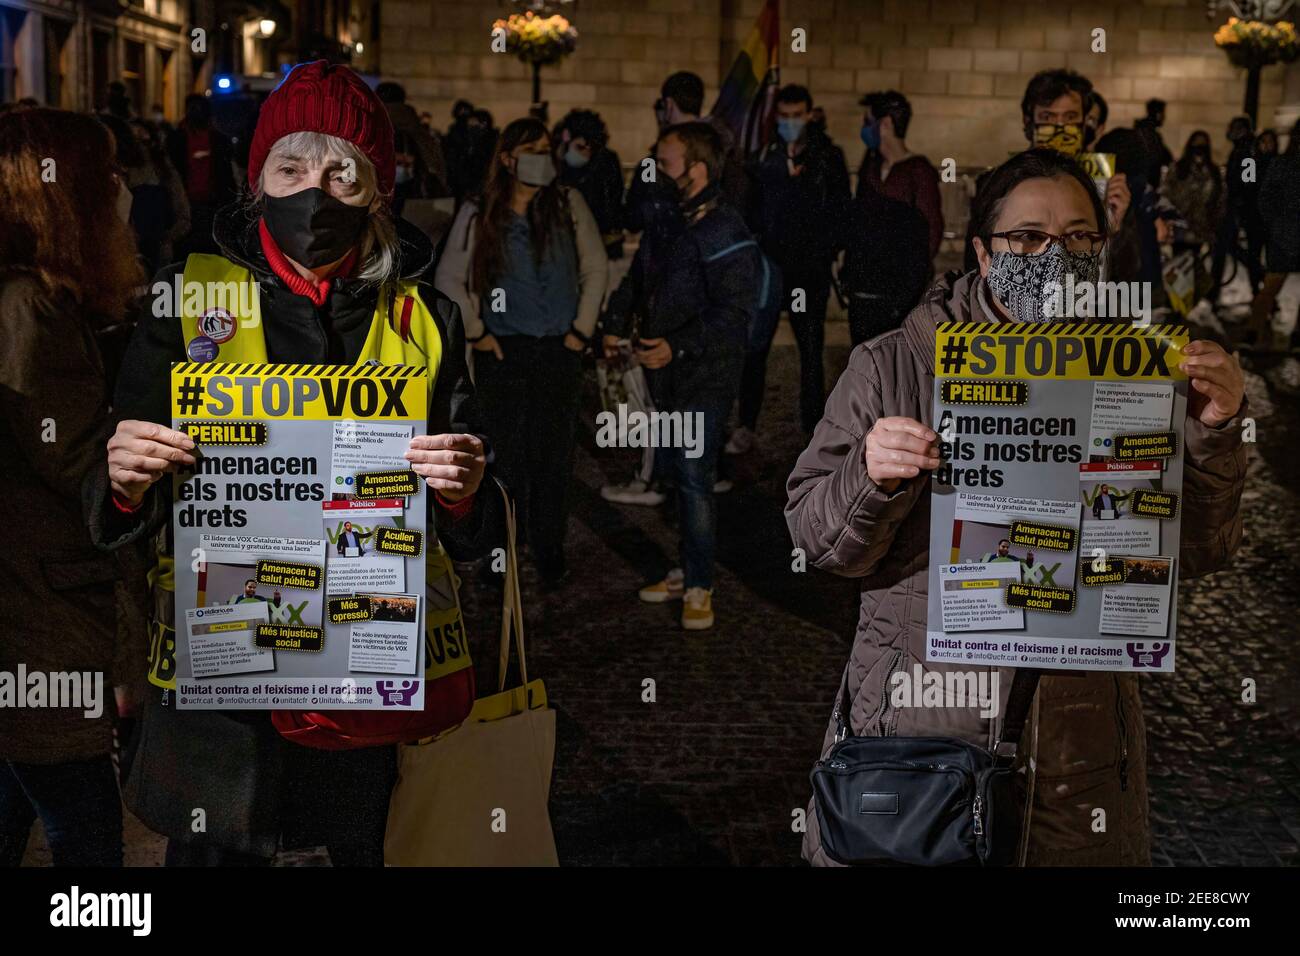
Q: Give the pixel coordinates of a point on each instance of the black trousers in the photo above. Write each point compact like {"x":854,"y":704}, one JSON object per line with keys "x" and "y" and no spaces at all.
{"x":335,"y":798}
{"x":530,"y":400}
{"x":809,"y":327}
{"x":1225,"y":244}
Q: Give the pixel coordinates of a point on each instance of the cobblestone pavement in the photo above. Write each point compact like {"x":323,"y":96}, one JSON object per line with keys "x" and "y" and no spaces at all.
{"x":711,"y":772}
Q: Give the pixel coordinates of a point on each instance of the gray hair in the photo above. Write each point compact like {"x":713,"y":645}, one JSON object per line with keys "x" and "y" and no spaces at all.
{"x":380,"y":251}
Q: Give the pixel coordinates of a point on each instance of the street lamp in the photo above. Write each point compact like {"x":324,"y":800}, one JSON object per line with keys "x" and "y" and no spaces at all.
{"x":1254,"y":37}
{"x":266,"y":27}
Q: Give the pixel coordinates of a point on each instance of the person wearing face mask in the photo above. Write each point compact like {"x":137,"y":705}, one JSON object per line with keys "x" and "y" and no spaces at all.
{"x":68,"y":271}
{"x":336,"y":281}
{"x":527,"y":267}
{"x":1053,"y":114}
{"x":858,"y":504}
{"x":692,"y":340}
{"x":801,"y":191}
{"x":652,"y":208}
{"x":890,"y":168}
{"x":587,"y":164}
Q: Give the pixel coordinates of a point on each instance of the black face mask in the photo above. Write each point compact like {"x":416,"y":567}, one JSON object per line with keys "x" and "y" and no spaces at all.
{"x":313,"y":228}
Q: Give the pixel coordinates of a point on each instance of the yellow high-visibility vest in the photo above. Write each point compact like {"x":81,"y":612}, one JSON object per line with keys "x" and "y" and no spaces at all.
{"x":402,"y":332}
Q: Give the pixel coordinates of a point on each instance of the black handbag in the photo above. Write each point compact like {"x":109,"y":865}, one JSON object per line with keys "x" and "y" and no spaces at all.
{"x":226,"y":763}
{"x":922,"y":801}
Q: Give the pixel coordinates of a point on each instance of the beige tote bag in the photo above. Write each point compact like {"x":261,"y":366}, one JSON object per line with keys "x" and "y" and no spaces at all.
{"x":477,"y":794}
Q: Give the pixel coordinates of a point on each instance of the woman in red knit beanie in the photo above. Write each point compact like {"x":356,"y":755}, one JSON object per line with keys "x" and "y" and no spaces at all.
{"x":320,"y":253}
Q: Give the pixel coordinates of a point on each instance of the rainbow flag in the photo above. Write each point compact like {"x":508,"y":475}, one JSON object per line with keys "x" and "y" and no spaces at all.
{"x":747,"y":97}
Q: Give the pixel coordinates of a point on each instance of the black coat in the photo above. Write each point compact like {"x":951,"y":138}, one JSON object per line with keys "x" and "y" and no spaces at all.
{"x":1279,"y":204}
{"x":886,"y":257}
{"x":264,"y":785}
{"x":601,"y":184}
{"x":65,"y":602}
{"x":705,"y":301}
{"x":797,"y":218}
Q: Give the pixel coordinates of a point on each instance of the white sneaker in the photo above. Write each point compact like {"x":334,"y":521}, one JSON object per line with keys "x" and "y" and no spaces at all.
{"x":741,"y":442}
{"x":697,"y":610}
{"x":669,"y":589}
{"x":723,"y":485}
{"x":635,"y":492}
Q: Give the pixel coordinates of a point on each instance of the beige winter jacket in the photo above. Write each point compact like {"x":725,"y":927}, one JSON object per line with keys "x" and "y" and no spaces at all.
{"x":1085,"y":744}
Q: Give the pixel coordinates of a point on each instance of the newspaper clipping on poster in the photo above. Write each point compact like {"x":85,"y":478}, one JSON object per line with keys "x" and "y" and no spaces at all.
{"x":299,"y":537}
{"x":1055,"y":515}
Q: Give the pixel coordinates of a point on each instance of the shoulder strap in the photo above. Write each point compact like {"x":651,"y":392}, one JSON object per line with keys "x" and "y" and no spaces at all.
{"x":1021,"y":698}
{"x":1023,"y":687}
{"x":734,"y":247}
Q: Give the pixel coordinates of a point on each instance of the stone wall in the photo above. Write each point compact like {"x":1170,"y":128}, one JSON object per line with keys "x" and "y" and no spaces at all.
{"x":963,"y":63}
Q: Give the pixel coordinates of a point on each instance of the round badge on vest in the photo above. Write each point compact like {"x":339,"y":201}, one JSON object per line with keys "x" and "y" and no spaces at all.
{"x":217,"y":325}
{"x":201,"y":349}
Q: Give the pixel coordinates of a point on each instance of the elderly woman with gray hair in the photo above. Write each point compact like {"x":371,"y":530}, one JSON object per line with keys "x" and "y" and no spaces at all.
{"x":337,"y":280}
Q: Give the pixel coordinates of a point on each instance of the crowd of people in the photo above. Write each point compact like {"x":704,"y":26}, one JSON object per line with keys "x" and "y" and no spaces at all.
{"x":517,"y":288}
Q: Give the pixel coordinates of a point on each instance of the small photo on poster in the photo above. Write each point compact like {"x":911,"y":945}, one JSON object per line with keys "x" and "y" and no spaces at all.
{"x":221,"y":640}
{"x":981,"y":534}
{"x":972,"y":597}
{"x":353,"y":564}
{"x":388,"y":642}
{"x":1127,"y":407}
{"x":1139,"y":606}
{"x":229,"y":576}
{"x":1105,"y":491}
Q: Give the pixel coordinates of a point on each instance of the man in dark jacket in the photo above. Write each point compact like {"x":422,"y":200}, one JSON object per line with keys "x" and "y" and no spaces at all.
{"x":801,"y":190}
{"x":693,"y":338}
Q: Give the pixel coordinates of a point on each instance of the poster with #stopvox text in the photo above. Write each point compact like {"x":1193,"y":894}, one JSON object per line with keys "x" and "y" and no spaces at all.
{"x":1055,"y":514}
{"x":299,"y":538}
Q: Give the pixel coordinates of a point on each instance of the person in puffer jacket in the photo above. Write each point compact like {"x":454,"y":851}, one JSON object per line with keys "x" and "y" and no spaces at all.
{"x":859,"y":505}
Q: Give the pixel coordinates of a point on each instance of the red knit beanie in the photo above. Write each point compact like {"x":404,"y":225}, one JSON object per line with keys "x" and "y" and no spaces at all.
{"x":320,"y":97}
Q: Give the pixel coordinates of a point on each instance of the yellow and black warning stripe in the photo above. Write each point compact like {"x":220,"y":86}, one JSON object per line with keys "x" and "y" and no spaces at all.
{"x":1057,"y":327}
{"x":297,"y":370}
{"x":959,"y":327}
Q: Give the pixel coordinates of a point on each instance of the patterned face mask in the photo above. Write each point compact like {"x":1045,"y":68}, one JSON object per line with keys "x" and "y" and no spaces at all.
{"x":1025,"y":284}
{"x":1065,"y":138}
